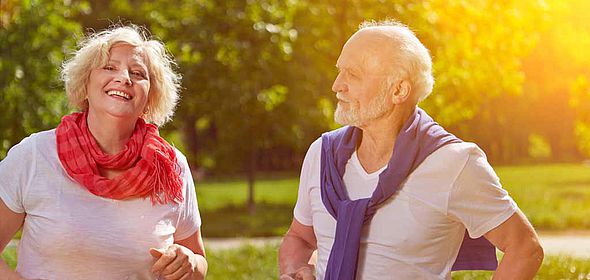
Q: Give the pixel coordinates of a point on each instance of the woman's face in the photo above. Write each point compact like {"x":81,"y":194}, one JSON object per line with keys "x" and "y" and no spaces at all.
{"x":120,"y":88}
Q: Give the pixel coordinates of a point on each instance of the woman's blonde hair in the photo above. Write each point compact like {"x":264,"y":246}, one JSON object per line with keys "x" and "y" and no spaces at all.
{"x":93,"y":53}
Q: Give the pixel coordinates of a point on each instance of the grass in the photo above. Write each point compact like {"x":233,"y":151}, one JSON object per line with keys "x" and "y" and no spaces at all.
{"x":9,"y":256}
{"x":215,"y":195}
{"x":249,"y":262}
{"x":261,"y":263}
{"x":235,"y":221}
{"x":554,"y":197}
{"x":225,"y":214}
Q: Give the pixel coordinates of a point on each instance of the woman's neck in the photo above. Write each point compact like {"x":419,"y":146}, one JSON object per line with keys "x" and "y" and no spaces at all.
{"x":111,"y":133}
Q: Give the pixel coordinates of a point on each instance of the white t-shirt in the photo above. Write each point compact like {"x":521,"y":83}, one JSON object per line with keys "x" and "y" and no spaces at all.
{"x":69,"y":233}
{"x":416,"y":234}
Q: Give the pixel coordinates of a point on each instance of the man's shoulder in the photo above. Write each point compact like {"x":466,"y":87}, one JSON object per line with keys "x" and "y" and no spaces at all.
{"x":314,"y":149}
{"x":456,"y":155}
{"x":461,"y":149}
{"x":447,"y":162}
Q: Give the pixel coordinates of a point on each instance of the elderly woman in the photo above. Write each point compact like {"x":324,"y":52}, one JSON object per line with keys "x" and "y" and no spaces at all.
{"x":103,"y":196}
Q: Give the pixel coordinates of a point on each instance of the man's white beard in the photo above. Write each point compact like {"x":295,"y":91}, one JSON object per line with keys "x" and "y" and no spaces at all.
{"x":378,"y":107}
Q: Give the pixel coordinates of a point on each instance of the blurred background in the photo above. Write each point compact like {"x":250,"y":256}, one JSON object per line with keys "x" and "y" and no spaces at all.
{"x":512,"y":76}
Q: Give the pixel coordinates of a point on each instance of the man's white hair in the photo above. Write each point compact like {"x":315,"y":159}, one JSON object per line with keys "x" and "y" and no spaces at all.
{"x":412,"y":59}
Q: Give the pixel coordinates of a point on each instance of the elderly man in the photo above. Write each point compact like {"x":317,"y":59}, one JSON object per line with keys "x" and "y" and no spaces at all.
{"x":392,"y":195}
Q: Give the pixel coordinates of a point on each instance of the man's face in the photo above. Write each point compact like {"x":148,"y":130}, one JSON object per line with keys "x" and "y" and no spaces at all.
{"x":361,"y":82}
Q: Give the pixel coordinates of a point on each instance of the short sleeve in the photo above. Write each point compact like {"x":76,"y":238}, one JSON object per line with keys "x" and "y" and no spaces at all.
{"x":189,"y":219}
{"x":303,"y":211}
{"x":16,"y":171}
{"x":477,"y":199}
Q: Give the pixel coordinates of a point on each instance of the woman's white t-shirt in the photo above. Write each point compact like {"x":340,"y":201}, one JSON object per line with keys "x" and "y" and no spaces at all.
{"x":69,"y":233}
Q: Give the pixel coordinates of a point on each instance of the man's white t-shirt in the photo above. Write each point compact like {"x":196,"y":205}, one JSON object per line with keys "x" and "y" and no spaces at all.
{"x":416,"y":234}
{"x":69,"y":233}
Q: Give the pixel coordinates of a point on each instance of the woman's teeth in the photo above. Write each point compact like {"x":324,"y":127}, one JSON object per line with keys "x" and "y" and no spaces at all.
{"x":119,"y":93}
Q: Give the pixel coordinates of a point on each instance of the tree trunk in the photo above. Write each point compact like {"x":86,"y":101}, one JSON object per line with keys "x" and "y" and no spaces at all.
{"x":251,"y":177}
{"x":190,"y":135}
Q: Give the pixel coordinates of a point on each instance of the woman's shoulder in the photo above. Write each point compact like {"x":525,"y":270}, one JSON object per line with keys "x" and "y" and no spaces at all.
{"x":39,"y":141}
{"x":45,"y":136}
{"x":181,"y":161}
{"x":180,"y":157}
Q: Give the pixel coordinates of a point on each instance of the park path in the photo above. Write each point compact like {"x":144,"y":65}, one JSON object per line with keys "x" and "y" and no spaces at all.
{"x":575,"y":244}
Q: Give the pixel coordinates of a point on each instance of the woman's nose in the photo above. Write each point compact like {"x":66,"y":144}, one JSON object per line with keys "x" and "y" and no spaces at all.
{"x":123,"y":77}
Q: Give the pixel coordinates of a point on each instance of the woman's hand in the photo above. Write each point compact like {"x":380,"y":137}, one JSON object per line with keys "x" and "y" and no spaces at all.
{"x":174,"y":262}
{"x":303,"y":273}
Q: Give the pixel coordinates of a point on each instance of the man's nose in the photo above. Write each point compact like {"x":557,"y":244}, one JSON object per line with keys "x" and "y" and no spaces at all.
{"x":339,"y":83}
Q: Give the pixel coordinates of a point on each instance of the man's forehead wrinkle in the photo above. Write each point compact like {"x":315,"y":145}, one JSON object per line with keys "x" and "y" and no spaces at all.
{"x":376,"y":53}
{"x":369,"y":50}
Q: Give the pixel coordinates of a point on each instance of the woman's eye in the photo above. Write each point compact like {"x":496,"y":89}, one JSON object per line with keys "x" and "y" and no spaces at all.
{"x":109,"y":67}
{"x":138,"y":74}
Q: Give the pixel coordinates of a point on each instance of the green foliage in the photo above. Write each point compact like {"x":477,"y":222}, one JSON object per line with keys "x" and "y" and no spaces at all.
{"x":538,"y":147}
{"x":556,"y":93}
{"x":580,"y":95}
{"x":257,"y":74}
{"x":35,"y":38}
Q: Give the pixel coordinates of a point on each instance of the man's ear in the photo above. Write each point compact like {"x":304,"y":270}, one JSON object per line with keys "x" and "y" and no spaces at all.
{"x":401,"y":93}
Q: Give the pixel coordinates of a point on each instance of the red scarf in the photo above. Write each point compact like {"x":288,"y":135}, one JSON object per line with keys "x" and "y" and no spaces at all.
{"x":149,"y":162}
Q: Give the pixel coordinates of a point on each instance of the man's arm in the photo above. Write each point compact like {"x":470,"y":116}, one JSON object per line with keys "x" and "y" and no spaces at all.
{"x":296,"y":250}
{"x":518,"y":240}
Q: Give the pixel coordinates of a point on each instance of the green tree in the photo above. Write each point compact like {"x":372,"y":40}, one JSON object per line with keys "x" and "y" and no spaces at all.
{"x":34,"y":35}
{"x":556,"y":88}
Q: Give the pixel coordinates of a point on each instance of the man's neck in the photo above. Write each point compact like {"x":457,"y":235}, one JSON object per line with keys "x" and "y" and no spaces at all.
{"x":379,"y":138}
{"x":111,"y":133}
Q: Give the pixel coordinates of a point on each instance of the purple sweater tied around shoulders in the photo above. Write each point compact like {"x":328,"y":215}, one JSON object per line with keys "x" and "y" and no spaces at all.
{"x":419,"y":137}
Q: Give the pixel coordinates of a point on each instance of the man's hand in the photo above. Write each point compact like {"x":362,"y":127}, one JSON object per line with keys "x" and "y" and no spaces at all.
{"x":296,"y":252}
{"x":303,"y":273}
{"x":174,"y":262}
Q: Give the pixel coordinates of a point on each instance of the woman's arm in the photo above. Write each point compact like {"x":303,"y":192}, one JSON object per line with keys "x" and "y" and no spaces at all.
{"x":185,"y":259}
{"x":10,"y":223}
